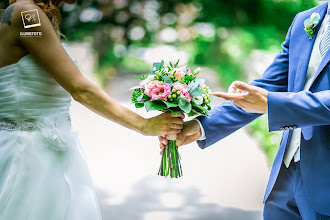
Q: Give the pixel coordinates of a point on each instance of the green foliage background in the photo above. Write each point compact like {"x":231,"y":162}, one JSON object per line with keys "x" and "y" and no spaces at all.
{"x":239,"y":26}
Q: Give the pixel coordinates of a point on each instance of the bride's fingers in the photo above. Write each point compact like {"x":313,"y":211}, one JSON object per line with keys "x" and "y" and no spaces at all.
{"x":179,"y":115}
{"x":176,"y":126}
{"x":176,"y":120}
{"x":173,"y":131}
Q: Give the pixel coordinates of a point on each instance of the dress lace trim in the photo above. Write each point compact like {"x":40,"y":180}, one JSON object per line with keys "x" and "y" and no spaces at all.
{"x":10,"y":124}
{"x":55,"y":130}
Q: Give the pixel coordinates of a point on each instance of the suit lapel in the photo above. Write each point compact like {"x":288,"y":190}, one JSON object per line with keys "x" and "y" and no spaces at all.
{"x":306,"y":55}
{"x":323,"y":64}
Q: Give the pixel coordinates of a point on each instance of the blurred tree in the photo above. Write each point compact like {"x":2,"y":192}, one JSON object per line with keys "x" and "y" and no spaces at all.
{"x":226,"y":35}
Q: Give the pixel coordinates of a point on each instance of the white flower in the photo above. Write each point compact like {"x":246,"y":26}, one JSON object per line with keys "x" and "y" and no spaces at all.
{"x":198,"y":100}
{"x":316,"y":16}
{"x":147,"y":80}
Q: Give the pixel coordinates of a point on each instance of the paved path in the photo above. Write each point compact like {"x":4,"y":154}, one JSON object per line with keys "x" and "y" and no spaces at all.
{"x":225,"y":181}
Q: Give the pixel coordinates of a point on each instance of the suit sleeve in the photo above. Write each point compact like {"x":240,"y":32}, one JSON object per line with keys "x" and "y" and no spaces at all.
{"x":299,"y":109}
{"x":227,"y":117}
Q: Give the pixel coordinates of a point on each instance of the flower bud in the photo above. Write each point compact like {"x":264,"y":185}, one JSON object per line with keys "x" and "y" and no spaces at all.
{"x":197,"y":71}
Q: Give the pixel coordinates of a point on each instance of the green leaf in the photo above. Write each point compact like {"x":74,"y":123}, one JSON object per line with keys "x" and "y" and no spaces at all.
{"x":199,"y":108}
{"x":171,"y":64}
{"x":175,"y":110}
{"x":168,"y":80}
{"x":188,"y":78}
{"x":185,"y":105}
{"x":139,"y":99}
{"x":158,"y":66}
{"x":177,"y":62}
{"x":171,"y":104}
{"x":194,"y":84}
{"x":145,"y":98}
{"x":139,"y":105}
{"x":197,"y":92}
{"x":154,"y":106}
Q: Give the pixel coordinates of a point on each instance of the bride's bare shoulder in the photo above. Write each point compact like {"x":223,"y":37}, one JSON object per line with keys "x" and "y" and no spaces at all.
{"x":13,"y":16}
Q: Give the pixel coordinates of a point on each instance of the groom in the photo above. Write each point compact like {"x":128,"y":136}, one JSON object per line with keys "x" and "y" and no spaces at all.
{"x":294,"y":92}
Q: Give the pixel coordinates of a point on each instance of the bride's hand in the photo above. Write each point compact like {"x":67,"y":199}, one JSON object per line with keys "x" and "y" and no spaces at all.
{"x":164,"y":124}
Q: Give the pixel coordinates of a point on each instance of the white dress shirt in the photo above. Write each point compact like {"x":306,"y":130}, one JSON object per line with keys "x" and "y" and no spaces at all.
{"x":293,"y":149}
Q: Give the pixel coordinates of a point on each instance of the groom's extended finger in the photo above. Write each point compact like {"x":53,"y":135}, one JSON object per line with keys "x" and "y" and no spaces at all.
{"x":231,"y":88}
{"x":230,"y":96}
{"x":242,"y":86}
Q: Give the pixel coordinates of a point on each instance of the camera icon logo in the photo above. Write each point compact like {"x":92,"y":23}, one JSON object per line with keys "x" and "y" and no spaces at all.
{"x":30,"y":18}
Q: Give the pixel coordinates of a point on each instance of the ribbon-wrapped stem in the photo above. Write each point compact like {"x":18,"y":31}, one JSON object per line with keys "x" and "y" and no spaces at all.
{"x":170,"y":163}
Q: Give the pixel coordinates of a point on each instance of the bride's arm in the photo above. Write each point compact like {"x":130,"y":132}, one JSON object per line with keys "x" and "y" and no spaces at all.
{"x":50,"y":54}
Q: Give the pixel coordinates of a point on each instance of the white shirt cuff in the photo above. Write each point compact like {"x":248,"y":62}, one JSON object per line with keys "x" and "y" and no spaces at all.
{"x":202,"y":130}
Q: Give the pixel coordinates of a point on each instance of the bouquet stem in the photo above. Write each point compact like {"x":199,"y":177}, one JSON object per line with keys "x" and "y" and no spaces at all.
{"x":170,"y":163}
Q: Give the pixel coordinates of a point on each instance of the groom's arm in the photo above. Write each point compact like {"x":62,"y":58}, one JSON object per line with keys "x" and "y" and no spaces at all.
{"x":298,"y":109}
{"x":227,"y":117}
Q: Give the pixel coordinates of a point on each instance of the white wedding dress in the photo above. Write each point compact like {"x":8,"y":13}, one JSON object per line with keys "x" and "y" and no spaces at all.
{"x":43,"y":172}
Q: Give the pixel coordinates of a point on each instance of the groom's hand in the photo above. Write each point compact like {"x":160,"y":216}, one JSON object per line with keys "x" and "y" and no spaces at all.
{"x":190,"y":132}
{"x":251,"y":99}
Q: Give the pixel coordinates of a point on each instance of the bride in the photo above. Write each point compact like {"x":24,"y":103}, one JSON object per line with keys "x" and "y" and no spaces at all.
{"x":43,"y":173}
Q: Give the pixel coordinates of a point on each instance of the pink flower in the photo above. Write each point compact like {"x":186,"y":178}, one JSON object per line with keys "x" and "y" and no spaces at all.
{"x":147,"y":80}
{"x":157,"y":90}
{"x":183,"y":89}
{"x":179,"y":72}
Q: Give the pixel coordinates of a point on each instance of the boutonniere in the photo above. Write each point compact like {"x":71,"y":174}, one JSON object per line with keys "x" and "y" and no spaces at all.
{"x":311,"y":24}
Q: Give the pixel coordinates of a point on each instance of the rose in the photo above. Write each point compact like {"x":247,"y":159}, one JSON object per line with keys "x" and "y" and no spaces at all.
{"x":183,"y":89}
{"x":157,"y":90}
{"x":147,"y":80}
{"x":179,"y":73}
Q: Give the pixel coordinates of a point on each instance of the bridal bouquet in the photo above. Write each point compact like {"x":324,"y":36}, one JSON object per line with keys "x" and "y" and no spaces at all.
{"x":177,"y":90}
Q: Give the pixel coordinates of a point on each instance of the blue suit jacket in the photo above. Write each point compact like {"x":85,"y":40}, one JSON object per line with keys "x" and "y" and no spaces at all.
{"x":289,"y":106}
